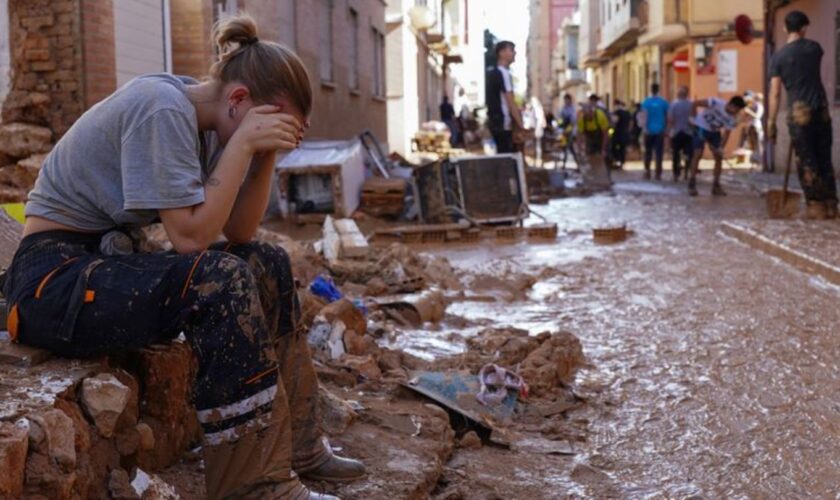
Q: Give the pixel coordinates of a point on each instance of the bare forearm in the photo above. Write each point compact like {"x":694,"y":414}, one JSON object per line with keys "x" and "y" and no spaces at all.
{"x":194,"y":228}
{"x":775,"y":96}
{"x":252,"y":200}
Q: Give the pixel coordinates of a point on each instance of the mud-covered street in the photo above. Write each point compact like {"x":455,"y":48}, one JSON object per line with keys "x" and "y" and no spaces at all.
{"x":712,"y":368}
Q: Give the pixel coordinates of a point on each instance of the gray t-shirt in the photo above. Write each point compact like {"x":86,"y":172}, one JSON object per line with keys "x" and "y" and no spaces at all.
{"x":130,"y":155}
{"x":680,"y":114}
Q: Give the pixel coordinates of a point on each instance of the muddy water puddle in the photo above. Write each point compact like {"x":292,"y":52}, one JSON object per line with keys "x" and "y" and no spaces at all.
{"x":714,"y":370}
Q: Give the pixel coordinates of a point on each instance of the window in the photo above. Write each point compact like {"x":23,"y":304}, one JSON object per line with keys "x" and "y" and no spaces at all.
{"x":288,"y":23}
{"x":837,"y":57}
{"x":378,"y":40}
{"x":354,"y":50}
{"x":326,"y":40}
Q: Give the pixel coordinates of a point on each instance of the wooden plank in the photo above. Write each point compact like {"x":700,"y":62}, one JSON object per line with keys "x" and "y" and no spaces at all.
{"x":422,"y":228}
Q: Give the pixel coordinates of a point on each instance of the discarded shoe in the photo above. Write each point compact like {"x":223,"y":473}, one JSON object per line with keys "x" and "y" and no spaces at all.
{"x":717,"y":190}
{"x":495,"y":382}
{"x":337,"y":470}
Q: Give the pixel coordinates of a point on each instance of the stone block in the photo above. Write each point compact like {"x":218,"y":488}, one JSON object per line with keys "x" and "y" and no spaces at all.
{"x":21,"y":355}
{"x":104,"y":398}
{"x":21,"y":140}
{"x":37,"y":54}
{"x":36,"y":22}
{"x":14,"y":441}
{"x":52,"y":433}
{"x":42,"y":66}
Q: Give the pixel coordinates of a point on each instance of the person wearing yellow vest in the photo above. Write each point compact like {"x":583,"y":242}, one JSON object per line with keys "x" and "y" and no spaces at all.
{"x":593,"y":133}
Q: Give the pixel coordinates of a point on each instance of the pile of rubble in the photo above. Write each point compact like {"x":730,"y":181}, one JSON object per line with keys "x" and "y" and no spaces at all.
{"x":23,"y":148}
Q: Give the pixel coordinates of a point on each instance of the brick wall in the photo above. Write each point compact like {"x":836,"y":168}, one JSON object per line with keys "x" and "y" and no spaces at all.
{"x":192,"y":48}
{"x":99,"y":58}
{"x":44,"y":39}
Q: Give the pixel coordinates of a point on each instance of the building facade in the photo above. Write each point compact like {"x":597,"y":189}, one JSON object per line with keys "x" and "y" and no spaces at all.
{"x":628,"y":45}
{"x":547,"y":18}
{"x":433,"y":50}
{"x":341,"y":42}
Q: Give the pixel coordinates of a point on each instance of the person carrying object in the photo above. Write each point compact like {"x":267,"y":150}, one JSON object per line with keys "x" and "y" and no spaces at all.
{"x":716,"y":114}
{"x":199,"y":157}
{"x":682,"y":132}
{"x":593,"y":134}
{"x":796,"y":66}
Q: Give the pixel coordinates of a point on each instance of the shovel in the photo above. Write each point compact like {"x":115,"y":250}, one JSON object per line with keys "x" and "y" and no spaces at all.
{"x":781,"y":203}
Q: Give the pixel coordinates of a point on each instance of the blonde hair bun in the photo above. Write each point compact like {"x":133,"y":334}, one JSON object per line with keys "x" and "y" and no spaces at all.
{"x":233,"y":33}
{"x":268,"y":69}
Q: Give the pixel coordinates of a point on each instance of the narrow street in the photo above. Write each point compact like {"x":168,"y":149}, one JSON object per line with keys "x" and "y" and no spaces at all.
{"x":712,"y":370}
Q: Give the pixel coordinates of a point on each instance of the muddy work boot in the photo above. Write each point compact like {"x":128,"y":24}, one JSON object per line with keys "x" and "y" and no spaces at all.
{"x":337,"y":470}
{"x":717,"y":190}
{"x":692,"y":188}
{"x":831,"y":209}
{"x":816,"y":210}
{"x":270,"y":491}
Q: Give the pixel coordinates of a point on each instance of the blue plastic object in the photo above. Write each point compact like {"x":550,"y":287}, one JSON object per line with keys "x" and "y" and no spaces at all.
{"x":325,"y":288}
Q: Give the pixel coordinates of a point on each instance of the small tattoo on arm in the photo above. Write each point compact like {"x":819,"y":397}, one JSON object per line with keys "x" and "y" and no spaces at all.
{"x":212,"y":181}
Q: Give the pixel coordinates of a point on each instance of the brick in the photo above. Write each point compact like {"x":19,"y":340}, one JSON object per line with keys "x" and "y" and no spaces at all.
{"x":33,"y":23}
{"x":14,"y":440}
{"x":42,"y":66}
{"x":37,"y":55}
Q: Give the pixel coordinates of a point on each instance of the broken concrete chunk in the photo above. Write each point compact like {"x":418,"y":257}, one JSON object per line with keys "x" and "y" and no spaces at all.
{"x":104,"y":398}
{"x":553,"y":363}
{"x":21,"y":140}
{"x":52,"y":433}
{"x":14,"y":440}
{"x":336,"y":414}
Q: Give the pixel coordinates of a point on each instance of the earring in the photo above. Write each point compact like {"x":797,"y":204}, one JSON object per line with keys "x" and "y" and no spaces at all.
{"x":232,"y":111}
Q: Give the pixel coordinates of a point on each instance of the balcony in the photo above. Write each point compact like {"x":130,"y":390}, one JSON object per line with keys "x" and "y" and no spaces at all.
{"x":622,"y":25}
{"x":667,"y":22}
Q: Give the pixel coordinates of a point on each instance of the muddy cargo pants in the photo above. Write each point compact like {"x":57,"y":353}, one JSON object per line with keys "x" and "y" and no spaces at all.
{"x":255,"y":390}
{"x":811,"y":135}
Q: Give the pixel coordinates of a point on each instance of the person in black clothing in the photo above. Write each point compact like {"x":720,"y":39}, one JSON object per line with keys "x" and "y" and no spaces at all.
{"x":797,"y":67}
{"x":502,"y":111}
{"x":447,"y":116}
{"x":621,"y":133}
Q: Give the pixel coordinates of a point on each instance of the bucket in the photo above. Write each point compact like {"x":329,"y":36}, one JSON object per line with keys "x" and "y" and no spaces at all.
{"x":783,"y":204}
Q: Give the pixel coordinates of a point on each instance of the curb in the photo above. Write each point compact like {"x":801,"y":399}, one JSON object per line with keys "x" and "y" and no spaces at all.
{"x":791,"y":256}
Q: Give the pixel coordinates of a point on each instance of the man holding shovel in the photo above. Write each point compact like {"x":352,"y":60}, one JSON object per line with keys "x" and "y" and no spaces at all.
{"x":797,"y":67}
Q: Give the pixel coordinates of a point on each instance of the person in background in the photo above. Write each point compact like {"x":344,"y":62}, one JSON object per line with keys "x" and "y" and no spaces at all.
{"x":621,"y":133}
{"x":594,"y":134}
{"x":717,"y":114}
{"x":753,"y":133}
{"x":636,"y":126}
{"x":447,"y":116}
{"x":681,"y":132}
{"x":797,"y":67}
{"x":568,"y":127}
{"x":655,"y":109}
{"x":502,"y":112}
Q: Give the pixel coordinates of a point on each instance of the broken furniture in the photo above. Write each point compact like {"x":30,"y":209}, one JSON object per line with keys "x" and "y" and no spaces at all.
{"x":321,"y":178}
{"x":486,"y":189}
{"x":384,"y":197}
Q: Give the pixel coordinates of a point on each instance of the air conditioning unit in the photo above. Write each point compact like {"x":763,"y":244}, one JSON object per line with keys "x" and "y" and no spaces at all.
{"x":488,"y":189}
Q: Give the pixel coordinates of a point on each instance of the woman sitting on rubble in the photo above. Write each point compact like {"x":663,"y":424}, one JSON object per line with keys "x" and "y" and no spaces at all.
{"x":199,"y":157}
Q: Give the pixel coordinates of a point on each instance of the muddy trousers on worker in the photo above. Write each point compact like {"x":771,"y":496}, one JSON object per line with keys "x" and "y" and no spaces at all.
{"x":255,"y":390}
{"x":811,"y":139}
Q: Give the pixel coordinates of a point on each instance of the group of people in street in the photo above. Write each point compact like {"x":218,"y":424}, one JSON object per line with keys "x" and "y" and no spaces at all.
{"x":689,"y":126}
